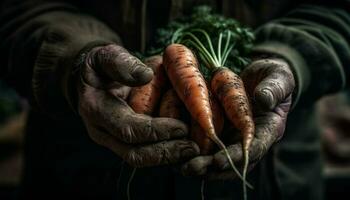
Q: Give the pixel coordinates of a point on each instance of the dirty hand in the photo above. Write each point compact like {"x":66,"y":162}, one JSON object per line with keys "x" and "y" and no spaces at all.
{"x":106,"y":76}
{"x":269,"y":83}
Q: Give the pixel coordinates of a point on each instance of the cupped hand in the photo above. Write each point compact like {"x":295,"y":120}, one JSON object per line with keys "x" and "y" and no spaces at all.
{"x":269,"y":84}
{"x":106,"y":77}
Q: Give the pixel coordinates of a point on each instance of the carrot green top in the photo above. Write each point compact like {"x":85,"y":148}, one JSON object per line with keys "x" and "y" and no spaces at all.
{"x":217,"y":40}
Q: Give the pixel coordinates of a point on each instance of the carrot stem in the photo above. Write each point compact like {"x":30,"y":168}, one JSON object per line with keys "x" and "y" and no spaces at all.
{"x":209,"y":44}
{"x":176,"y":35}
{"x":227,"y":42}
{"x":226,"y":54}
{"x":207,"y":58}
{"x":219,"y":46}
{"x":227,"y":50}
{"x":202,"y":47}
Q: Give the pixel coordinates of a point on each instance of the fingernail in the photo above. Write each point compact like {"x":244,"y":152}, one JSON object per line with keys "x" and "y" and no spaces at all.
{"x":266,"y":98}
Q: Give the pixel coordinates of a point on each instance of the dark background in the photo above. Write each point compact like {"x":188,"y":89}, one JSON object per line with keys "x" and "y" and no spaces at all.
{"x":333,"y":115}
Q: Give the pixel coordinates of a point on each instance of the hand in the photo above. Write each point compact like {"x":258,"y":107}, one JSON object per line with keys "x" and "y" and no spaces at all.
{"x":334,"y":120}
{"x":140,"y":140}
{"x":269,"y":84}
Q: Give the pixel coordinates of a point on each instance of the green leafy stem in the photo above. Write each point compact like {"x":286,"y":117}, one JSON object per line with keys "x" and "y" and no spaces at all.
{"x":211,"y":58}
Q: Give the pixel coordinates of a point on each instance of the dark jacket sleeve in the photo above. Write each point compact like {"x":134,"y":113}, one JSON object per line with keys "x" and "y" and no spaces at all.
{"x":315,"y":41}
{"x":39,"y":48}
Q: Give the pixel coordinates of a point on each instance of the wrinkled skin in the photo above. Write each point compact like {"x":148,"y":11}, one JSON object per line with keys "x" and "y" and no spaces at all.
{"x":269,"y":83}
{"x":106,"y":77}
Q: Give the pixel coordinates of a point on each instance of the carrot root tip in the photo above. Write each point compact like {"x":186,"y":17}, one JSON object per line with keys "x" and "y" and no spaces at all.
{"x":222,"y":146}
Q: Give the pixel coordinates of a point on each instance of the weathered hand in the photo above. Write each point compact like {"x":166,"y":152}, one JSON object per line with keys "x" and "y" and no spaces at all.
{"x":140,"y":140}
{"x":269,"y":83}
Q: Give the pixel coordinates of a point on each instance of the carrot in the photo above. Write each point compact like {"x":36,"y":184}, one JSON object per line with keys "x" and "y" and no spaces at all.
{"x":181,"y":66}
{"x":170,"y":105}
{"x":204,"y":143}
{"x":144,"y":99}
{"x":229,"y":89}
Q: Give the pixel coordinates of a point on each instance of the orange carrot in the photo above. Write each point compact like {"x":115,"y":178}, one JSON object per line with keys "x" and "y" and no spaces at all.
{"x":181,"y":66}
{"x":229,"y":89}
{"x":170,"y":105}
{"x":145,"y":98}
{"x":204,"y":143}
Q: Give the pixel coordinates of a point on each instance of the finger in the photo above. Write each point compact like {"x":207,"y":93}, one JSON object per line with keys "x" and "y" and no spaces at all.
{"x":162,"y":153}
{"x":257,"y":150}
{"x":119,"y":65}
{"x":220,"y":159}
{"x":112,"y":114}
{"x":269,"y":128}
{"x":276,"y":86}
{"x":136,"y":128}
{"x":166,"y":152}
{"x":269,"y":82}
{"x":197,"y":166}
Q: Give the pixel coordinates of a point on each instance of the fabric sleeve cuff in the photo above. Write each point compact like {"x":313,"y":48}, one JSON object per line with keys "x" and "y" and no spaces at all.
{"x":316,"y":67}
{"x":59,"y":58}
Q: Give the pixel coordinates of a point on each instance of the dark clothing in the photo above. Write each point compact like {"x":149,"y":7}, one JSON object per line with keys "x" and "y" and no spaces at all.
{"x":61,"y":161}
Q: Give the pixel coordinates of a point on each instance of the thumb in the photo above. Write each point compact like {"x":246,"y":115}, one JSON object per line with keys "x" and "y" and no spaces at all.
{"x":116,"y":63}
{"x":276,"y":86}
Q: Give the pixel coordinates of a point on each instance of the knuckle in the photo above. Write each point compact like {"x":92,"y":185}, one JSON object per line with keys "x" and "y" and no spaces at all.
{"x":145,"y":130}
{"x":106,"y":55}
{"x":103,"y":54}
{"x":151,"y":130}
{"x":127,"y":134}
{"x":126,"y":57}
{"x":162,"y":128}
{"x":122,"y":127}
{"x":140,"y":129}
{"x":164,"y":154}
{"x":126,"y":61}
{"x":135,"y":63}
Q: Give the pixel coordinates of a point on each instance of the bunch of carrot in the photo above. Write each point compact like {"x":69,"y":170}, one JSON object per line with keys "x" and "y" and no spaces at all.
{"x":203,"y":86}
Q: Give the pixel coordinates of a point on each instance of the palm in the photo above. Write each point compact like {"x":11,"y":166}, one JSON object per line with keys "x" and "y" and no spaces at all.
{"x":269,"y":84}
